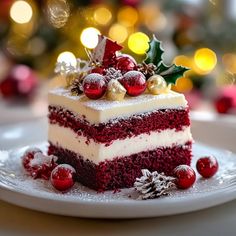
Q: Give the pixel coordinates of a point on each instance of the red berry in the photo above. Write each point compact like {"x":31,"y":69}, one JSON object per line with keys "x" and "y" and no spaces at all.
{"x":134,"y":82}
{"x":185,"y":176}
{"x":94,"y":86}
{"x":63,"y":177}
{"x":125,"y":63}
{"x":98,"y":70}
{"x":28,"y":156}
{"x":207,"y":166}
{"x":223,"y":104}
{"x":37,"y":164}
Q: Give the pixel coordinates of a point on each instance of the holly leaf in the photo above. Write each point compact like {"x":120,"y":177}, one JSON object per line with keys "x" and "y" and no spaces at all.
{"x":162,"y":67}
{"x":154,"y":52}
{"x":154,"y":55}
{"x":172,"y":73}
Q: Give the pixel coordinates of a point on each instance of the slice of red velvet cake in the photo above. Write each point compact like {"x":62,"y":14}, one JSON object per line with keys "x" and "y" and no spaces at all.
{"x":109,"y":142}
{"x":117,"y":117}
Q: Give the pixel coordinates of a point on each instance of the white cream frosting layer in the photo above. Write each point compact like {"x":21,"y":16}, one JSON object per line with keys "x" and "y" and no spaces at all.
{"x":66,"y":138}
{"x":103,"y":110}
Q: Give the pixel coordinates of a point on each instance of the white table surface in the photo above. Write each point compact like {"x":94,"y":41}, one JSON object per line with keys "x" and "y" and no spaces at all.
{"x":220,"y":220}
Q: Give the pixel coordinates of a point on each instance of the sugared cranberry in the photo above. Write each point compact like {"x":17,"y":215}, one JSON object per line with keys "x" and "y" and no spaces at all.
{"x":185,"y":176}
{"x":28,"y":156}
{"x":223,"y":104}
{"x":37,"y":164}
{"x":63,"y":177}
{"x":207,"y":166}
{"x":94,"y":86}
{"x":125,"y":63}
{"x":98,"y":70}
{"x":134,"y":82}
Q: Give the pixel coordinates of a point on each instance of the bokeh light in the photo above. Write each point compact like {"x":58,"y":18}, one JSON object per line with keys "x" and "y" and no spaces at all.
{"x":183,"y":85}
{"x":229,"y":61}
{"x":58,"y":12}
{"x":182,"y":60}
{"x":21,"y":12}
{"x":138,"y":42}
{"x":102,"y":16}
{"x":205,"y":59}
{"x":127,"y":16}
{"x":118,"y":33}
{"x":152,"y":16}
{"x":89,"y":37}
{"x":67,"y":57}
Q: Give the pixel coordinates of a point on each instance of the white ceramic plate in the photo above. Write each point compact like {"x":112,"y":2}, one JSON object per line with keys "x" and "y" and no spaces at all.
{"x":17,"y":188}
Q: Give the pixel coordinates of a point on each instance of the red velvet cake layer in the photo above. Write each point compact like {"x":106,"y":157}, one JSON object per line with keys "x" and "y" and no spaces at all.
{"x":121,"y":128}
{"x":121,"y":172}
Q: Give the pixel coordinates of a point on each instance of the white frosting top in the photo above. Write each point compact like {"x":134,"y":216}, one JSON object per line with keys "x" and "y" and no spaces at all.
{"x":103,"y":110}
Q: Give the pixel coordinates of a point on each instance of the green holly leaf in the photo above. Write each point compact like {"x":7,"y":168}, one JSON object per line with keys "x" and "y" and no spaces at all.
{"x":162,"y":67}
{"x":154,"y":52}
{"x":172,"y":73}
{"x":154,"y":55}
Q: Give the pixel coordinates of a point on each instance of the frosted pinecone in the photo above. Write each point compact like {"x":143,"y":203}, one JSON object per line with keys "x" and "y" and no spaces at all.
{"x":147,"y":69}
{"x":76,"y":87}
{"x":112,"y":73}
{"x":153,"y":185}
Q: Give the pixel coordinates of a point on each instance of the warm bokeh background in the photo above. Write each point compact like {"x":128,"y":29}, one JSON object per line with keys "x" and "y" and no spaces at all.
{"x":199,"y":34}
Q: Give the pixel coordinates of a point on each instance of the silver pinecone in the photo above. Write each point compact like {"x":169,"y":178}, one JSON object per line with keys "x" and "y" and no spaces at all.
{"x":153,"y":185}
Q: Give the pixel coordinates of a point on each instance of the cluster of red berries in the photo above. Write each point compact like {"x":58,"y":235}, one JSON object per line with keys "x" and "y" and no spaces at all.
{"x":185,"y":175}
{"x":95,"y":83}
{"x":62,"y":177}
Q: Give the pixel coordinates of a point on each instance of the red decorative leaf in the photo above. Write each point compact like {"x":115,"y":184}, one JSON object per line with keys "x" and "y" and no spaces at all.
{"x":105,"y":51}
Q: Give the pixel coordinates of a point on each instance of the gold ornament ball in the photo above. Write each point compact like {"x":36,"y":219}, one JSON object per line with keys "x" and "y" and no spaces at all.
{"x":115,"y":91}
{"x":156,"y":84}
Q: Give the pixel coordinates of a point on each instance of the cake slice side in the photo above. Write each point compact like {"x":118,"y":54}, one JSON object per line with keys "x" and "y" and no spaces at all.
{"x":163,"y":141}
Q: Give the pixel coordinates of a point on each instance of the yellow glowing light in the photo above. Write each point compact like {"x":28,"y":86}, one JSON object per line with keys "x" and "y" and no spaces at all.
{"x":183,"y":85}
{"x":205,"y":59}
{"x":183,"y":60}
{"x":89,"y":37}
{"x":21,"y":12}
{"x":118,"y":33}
{"x":127,"y":16}
{"x":67,"y":57}
{"x":138,"y":42}
{"x":102,"y":16}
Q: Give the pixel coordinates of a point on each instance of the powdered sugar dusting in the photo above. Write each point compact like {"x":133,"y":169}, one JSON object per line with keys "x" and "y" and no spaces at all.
{"x":13,"y":176}
{"x":32,"y":150}
{"x":93,"y":78}
{"x":104,"y":104}
{"x":102,"y":110}
{"x":40,"y":159}
{"x":130,"y":74}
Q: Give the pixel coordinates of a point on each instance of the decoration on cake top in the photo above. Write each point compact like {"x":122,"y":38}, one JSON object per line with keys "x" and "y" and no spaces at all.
{"x":156,"y":84}
{"x":115,"y":91}
{"x":112,"y":73}
{"x":105,"y":52}
{"x":71,"y":72}
{"x":154,"y":56}
{"x":106,"y":63}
